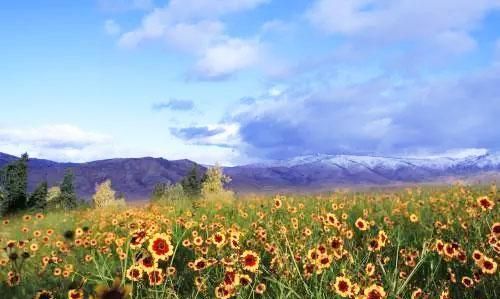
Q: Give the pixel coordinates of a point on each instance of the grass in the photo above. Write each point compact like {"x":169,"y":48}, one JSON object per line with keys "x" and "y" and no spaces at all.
{"x":337,"y":245}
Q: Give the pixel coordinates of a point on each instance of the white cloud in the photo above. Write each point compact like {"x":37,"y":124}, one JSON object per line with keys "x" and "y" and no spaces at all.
{"x":192,"y":26}
{"x":111,"y":27}
{"x":446,"y":22}
{"x":60,"y":135}
{"x":228,"y":57}
{"x":398,"y":18}
{"x":61,"y":142}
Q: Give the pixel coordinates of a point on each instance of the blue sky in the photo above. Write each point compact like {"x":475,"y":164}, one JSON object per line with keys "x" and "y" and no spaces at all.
{"x":248,"y":80}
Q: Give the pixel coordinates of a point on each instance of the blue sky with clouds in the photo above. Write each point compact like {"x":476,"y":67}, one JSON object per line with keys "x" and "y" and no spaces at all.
{"x":246,"y":80}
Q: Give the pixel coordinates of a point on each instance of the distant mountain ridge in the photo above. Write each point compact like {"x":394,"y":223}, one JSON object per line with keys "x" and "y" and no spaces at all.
{"x":136,"y":177}
{"x":323,"y":172}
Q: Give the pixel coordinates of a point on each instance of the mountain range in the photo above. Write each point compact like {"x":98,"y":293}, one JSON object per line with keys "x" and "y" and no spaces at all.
{"x":136,"y":177}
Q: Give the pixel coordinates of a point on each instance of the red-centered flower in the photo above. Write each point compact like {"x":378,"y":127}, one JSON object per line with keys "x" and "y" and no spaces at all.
{"x":160,"y":246}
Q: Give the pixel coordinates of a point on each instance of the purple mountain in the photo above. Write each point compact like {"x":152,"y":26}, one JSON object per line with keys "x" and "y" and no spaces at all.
{"x":136,"y":177}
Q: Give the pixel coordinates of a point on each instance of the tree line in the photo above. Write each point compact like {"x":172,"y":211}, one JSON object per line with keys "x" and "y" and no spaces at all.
{"x":195,"y":186}
{"x":14,"y":195}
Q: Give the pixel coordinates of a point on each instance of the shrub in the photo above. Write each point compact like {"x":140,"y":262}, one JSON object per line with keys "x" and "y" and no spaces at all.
{"x":168,"y":192}
{"x":213,"y":185}
{"x":105,"y":196}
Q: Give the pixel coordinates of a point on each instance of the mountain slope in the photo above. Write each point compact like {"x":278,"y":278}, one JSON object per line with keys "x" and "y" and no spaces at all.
{"x":326,"y":171}
{"x":136,"y":177}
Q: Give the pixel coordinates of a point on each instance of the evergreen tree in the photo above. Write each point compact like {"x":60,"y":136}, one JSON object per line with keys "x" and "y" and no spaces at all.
{"x":191,"y":184}
{"x":14,"y":182}
{"x":38,"y":199}
{"x":3,"y":200}
{"x":68,"y":197}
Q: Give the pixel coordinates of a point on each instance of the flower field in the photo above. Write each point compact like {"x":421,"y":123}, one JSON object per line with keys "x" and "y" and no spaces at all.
{"x":407,"y":243}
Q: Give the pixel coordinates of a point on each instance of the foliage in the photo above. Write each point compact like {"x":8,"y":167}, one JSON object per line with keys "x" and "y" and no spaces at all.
{"x":3,"y":200}
{"x":408,"y":243}
{"x":192,"y":183}
{"x":14,"y":182}
{"x":38,"y":199}
{"x":213,"y":184}
{"x":167,"y":192}
{"x":53,"y":194}
{"x":67,"y":198}
{"x":105,"y":196}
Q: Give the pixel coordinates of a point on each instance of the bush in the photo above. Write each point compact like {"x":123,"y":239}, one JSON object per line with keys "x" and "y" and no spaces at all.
{"x":105,"y":196}
{"x":213,"y":185}
{"x":168,"y":192}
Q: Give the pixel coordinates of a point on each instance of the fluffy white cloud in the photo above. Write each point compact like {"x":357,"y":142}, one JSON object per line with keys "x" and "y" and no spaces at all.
{"x":61,"y":135}
{"x":398,"y":19}
{"x":192,"y":26}
{"x":61,"y":142}
{"x":445,"y":24}
{"x":228,"y":57}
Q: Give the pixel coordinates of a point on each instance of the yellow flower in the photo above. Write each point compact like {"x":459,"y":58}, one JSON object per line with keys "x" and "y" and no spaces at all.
{"x":250,"y":261}
{"x":374,"y":292}
{"x":116,"y":291}
{"x":160,"y":246}
{"x":343,"y":286}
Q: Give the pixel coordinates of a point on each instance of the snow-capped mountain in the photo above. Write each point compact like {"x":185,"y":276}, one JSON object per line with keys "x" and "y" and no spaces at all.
{"x":324,"y":171}
{"x":486,"y":160}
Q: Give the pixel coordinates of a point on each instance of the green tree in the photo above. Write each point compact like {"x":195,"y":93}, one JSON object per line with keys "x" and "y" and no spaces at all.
{"x":14,"y":182}
{"x":191,"y":183}
{"x":68,"y":198}
{"x":38,"y":199}
{"x":3,"y":200}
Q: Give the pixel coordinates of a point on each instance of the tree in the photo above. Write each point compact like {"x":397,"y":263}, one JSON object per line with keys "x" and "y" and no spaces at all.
{"x":167,"y":192}
{"x":105,"y":196}
{"x":214,"y":180}
{"x":67,"y":198}
{"x":38,"y":199}
{"x":191,"y":184}
{"x":3,"y":201}
{"x":213,"y":184}
{"x":14,"y":182}
{"x":53,"y":194}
